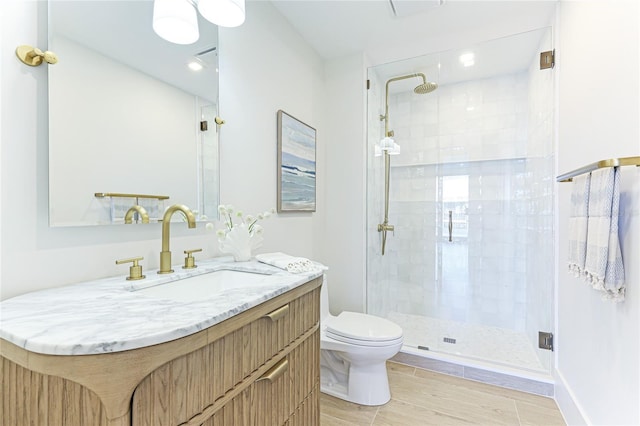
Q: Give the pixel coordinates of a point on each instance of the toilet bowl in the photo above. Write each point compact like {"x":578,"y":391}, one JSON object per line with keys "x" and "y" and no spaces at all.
{"x":354,"y":349}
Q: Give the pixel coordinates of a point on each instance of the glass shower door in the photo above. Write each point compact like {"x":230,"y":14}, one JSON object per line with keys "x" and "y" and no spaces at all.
{"x":467,"y":269}
{"x":452,"y":248}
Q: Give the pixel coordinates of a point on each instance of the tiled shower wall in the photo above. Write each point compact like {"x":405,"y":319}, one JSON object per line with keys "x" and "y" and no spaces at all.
{"x":497,"y":132}
{"x":474,"y":129}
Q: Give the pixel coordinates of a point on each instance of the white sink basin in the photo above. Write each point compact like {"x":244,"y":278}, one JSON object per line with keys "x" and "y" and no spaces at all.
{"x":207,"y":285}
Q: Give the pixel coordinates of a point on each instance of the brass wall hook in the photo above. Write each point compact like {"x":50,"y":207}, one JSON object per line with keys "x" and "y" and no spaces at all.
{"x":33,"y":56}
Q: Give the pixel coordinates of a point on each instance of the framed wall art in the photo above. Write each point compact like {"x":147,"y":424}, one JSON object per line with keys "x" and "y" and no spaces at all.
{"x":296,"y":165}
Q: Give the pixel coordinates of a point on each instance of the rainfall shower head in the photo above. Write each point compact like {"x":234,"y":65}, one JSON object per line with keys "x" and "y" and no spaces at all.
{"x":426,"y":87}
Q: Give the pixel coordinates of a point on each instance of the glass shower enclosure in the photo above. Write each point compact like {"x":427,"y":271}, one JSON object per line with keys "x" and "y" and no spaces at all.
{"x":468,"y":269}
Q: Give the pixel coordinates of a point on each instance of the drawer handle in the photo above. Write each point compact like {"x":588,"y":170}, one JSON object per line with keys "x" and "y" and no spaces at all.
{"x":275,"y":372}
{"x":278,"y":313}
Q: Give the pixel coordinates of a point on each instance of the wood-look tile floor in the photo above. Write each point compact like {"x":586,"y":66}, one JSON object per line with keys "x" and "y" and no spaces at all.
{"x":422,"y":397}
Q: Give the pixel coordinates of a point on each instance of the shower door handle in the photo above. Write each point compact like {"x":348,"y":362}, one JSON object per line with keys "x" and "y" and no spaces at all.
{"x":450,"y":225}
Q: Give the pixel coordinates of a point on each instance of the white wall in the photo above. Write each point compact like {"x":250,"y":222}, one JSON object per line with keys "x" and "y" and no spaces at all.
{"x":597,"y":341}
{"x":267,"y":66}
{"x":342,"y":246}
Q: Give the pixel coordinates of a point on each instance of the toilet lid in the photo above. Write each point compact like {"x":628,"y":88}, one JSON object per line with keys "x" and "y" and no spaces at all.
{"x":358,"y":328}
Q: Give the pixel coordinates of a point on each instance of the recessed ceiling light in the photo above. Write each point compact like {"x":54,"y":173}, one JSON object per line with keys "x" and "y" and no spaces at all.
{"x":194,"y":66}
{"x":467,"y":59}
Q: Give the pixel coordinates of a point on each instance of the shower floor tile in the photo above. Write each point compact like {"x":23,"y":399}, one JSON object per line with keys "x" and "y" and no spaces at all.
{"x":492,"y":344}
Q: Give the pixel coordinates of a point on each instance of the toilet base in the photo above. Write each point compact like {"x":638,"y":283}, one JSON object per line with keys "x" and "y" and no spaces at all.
{"x":364,"y":384}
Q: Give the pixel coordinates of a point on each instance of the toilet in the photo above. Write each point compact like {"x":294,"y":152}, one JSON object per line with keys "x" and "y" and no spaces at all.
{"x":354,"y":349}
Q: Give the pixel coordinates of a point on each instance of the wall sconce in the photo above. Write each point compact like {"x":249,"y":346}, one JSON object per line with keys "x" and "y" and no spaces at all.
{"x":177,"y":20}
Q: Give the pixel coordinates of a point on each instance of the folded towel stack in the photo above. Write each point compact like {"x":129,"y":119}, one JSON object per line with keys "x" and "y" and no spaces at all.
{"x":292,"y":264}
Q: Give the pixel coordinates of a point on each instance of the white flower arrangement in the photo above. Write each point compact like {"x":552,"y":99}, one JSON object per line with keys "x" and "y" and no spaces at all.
{"x":241,"y":233}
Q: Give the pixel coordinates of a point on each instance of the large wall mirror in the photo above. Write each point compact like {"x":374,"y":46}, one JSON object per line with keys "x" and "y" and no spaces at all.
{"x":127,"y":115}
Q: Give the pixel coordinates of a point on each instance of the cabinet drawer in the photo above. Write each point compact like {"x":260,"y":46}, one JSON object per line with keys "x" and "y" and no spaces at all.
{"x":286,"y":394}
{"x":295,"y":318}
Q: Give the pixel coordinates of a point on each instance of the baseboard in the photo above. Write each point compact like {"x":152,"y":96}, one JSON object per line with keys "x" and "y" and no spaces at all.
{"x":569,"y":408}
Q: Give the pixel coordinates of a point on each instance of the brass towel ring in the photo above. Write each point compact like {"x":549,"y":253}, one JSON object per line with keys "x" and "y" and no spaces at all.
{"x":33,"y":56}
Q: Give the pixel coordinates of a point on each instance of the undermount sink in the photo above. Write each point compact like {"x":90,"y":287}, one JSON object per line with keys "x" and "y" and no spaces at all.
{"x":207,"y":285}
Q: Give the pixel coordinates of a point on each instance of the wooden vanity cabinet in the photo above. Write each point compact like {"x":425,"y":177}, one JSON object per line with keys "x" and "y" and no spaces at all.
{"x":260,"y":367}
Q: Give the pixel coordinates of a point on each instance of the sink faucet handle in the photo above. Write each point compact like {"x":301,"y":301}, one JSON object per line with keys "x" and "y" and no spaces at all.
{"x":135,"y":270}
{"x":190,"y":261}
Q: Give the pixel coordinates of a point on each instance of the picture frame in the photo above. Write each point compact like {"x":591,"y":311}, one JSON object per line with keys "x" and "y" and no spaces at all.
{"x":296,"y":165}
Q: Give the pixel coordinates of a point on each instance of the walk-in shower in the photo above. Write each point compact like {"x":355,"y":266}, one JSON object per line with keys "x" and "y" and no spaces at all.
{"x":467,"y":266}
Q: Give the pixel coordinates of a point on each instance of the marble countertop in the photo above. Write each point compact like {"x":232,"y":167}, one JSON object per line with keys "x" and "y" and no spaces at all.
{"x":109,"y":315}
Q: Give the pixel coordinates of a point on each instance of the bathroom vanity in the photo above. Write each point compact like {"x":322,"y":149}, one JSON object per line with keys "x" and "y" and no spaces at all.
{"x":240,"y":356}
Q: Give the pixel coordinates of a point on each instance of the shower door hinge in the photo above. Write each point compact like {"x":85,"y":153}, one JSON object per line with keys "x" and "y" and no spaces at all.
{"x":368,"y":84}
{"x":547,"y":59}
{"x":545,"y":340}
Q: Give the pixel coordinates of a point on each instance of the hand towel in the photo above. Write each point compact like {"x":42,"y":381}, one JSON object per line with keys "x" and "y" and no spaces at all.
{"x":604,"y":267}
{"x":292,"y":264}
{"x":578,"y":224}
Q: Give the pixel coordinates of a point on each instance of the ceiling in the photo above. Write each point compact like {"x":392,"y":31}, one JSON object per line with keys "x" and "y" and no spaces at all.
{"x":433,"y":35}
{"x":334,"y":28}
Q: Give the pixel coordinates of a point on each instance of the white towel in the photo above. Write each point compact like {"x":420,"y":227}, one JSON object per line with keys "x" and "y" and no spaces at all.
{"x":604,"y":267}
{"x":578,"y":224}
{"x":292,"y":264}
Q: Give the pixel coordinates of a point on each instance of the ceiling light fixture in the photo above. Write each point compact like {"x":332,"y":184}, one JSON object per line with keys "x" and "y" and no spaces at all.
{"x":467,"y":59}
{"x":195,"y":66}
{"x":177,"y":20}
{"x":226,"y":13}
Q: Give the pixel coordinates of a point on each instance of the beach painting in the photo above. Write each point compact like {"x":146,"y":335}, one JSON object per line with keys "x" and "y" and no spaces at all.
{"x":296,"y":165}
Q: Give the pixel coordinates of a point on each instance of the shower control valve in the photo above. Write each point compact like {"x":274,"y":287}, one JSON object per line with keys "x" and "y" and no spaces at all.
{"x":385,"y":227}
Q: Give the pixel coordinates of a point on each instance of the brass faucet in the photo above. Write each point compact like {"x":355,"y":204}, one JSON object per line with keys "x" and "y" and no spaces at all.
{"x":165,"y":254}
{"x":128,"y":218}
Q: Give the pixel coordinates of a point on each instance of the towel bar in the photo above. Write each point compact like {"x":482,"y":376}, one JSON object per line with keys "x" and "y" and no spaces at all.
{"x":116,"y":194}
{"x":612,"y":162}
